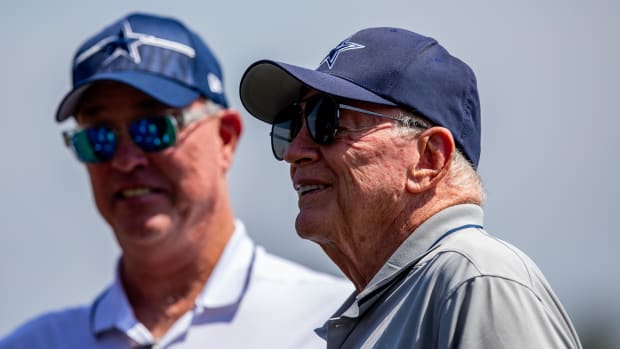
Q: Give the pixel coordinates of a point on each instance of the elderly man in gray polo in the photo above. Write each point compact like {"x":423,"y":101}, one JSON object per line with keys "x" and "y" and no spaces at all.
{"x":383,"y":142}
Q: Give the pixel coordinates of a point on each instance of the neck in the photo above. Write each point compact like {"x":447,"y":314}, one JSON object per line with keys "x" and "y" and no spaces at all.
{"x":367,"y":249}
{"x":158,"y":299}
{"x":161,"y":287}
{"x":362,"y":250}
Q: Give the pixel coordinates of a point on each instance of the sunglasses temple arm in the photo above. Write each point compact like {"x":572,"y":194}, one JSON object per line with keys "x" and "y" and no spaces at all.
{"x":189,"y":116}
{"x":368,"y":112}
{"x":364,"y":111}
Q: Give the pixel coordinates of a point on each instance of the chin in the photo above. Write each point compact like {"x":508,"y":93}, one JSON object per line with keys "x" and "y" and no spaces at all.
{"x":152,"y":228}
{"x":309,"y":228}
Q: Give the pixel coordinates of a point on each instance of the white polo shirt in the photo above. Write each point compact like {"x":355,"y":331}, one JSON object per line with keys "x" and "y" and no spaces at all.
{"x":252,"y":300}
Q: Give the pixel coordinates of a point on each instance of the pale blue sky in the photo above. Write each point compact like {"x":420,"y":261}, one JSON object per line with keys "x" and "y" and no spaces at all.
{"x":548,"y":79}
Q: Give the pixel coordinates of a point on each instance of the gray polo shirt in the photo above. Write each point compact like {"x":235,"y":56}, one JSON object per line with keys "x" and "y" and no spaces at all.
{"x":452,"y":285}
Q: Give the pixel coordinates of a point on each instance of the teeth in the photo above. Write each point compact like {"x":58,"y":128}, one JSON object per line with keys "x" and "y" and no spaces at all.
{"x":302,"y":189}
{"x":129,"y":193}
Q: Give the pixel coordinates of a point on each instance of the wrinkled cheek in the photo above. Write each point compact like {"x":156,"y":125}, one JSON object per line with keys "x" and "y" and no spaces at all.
{"x":354,"y":190}
{"x":367,"y":186}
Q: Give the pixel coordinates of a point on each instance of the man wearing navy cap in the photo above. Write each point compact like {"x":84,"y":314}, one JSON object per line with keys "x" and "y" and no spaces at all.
{"x":383,"y":142}
{"x":157,"y":137}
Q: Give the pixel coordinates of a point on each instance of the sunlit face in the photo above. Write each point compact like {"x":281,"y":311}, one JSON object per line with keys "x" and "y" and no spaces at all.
{"x":152,"y":198}
{"x":352,"y":189}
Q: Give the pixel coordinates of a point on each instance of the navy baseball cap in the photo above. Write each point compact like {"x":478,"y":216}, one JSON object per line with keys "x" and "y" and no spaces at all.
{"x":156,"y":55}
{"x":387,"y":66}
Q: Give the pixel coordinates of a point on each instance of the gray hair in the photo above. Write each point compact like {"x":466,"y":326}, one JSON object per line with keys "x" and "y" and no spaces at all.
{"x":464,"y":178}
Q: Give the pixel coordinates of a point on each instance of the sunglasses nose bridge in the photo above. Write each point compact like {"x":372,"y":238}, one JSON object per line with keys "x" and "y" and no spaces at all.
{"x":128,"y":154}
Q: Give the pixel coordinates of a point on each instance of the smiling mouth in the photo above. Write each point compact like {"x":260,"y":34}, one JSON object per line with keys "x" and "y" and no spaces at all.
{"x":134,"y":192}
{"x":305,"y":189}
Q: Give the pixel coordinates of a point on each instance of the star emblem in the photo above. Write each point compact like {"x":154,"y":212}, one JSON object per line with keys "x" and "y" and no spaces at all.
{"x":126,"y":44}
{"x":332,"y":56}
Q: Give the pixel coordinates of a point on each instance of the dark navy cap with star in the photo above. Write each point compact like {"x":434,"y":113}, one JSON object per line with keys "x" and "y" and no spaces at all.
{"x":387,"y":66}
{"x":156,"y":55}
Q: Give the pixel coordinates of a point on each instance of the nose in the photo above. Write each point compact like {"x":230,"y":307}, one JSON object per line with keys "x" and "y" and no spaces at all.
{"x":302,"y":148}
{"x":128,"y":156}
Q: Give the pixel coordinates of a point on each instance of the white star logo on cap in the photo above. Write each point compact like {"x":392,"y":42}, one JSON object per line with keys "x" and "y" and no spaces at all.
{"x":127,"y":43}
{"x":346,"y":45}
{"x":215,"y":84}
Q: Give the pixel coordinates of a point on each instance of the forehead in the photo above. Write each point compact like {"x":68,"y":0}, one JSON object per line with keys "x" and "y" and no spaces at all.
{"x":114,"y":98}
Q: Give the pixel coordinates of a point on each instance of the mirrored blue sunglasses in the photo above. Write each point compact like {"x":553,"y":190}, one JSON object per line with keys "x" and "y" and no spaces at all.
{"x":98,"y":143}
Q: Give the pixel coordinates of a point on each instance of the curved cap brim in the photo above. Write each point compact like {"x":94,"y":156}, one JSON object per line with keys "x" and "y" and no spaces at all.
{"x":268,"y":86}
{"x":167,"y":91}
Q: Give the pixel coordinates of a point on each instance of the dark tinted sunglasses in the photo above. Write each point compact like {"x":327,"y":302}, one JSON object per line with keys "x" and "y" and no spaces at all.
{"x":321,"y":113}
{"x":96,"y":144}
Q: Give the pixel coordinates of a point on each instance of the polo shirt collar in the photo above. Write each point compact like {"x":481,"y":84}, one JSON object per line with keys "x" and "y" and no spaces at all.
{"x":226,"y":286}
{"x":423,"y":239}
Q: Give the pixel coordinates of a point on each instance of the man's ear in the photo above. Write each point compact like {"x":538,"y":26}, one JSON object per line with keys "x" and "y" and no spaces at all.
{"x":436,"y":149}
{"x":231,"y":127}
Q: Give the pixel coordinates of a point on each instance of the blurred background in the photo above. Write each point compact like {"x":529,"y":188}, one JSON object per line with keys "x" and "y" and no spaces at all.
{"x":548,"y":77}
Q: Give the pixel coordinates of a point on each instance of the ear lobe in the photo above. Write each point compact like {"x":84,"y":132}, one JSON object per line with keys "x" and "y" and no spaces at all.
{"x":435,"y":149}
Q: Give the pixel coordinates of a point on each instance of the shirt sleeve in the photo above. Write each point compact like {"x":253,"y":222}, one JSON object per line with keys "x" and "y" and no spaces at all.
{"x":495,"y":312}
